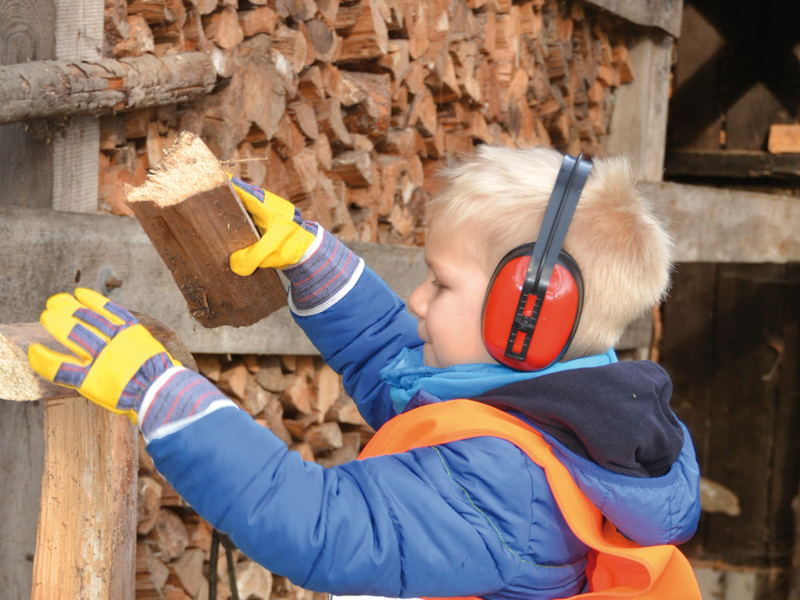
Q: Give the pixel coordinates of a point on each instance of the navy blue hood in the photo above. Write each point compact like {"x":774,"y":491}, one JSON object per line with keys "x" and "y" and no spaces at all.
{"x":617,"y":416}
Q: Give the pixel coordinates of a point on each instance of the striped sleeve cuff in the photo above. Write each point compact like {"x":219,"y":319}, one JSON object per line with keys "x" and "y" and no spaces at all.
{"x":327,"y":272}
{"x":176,"y":399}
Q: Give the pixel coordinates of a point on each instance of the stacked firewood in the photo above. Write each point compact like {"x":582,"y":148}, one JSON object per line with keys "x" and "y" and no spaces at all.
{"x":349,"y":107}
{"x":301,"y":400}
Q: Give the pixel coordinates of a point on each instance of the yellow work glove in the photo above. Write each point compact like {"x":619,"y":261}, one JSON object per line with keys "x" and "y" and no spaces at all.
{"x":117,"y":358}
{"x":285,"y":236}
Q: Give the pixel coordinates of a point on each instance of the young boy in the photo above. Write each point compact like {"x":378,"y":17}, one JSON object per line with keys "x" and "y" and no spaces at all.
{"x":474,"y":517}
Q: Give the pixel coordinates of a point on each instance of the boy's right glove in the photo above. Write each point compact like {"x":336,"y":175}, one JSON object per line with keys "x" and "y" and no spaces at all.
{"x":116,"y":358}
{"x":285,"y":235}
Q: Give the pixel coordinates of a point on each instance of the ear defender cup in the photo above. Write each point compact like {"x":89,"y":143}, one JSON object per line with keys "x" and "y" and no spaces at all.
{"x":558,"y":318}
{"x":535,"y":296}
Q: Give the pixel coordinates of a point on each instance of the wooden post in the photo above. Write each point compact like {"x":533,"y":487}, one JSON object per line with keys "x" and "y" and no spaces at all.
{"x":86,"y":535}
{"x":86,"y":539}
{"x":194,"y":218}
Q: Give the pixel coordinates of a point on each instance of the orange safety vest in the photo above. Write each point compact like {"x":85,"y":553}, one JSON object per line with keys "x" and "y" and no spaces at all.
{"x":616,"y":567}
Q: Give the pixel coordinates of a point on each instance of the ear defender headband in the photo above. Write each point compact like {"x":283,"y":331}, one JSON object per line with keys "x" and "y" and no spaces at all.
{"x":535,"y":296}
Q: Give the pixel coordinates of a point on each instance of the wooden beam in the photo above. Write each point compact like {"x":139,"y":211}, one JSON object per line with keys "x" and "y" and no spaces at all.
{"x":663,"y":14}
{"x":723,"y":225}
{"x":638,"y":126}
{"x":66,"y":88}
{"x":736,"y":164}
{"x":46,"y":252}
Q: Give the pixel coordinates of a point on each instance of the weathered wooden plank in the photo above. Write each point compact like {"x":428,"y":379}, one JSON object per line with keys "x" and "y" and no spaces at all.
{"x":26,"y":179}
{"x":63,"y":88}
{"x":79,"y":36}
{"x":638,"y":126}
{"x":735,"y":164}
{"x":664,"y":14}
{"x":22,"y":449}
{"x":741,"y":453}
{"x":26,"y":34}
{"x":785,"y":376}
{"x":723,"y":225}
{"x":729,"y":331}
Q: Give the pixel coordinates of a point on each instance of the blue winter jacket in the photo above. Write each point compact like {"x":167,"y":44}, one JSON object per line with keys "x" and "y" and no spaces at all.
{"x":469,"y":518}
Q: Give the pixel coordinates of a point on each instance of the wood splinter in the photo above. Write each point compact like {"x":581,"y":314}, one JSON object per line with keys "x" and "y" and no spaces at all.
{"x":194,"y":218}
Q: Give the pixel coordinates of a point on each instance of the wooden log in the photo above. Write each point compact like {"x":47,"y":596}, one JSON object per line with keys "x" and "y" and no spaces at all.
{"x":348,"y":451}
{"x":329,"y":389}
{"x":151,"y":573}
{"x":148,"y":504}
{"x":354,"y":168}
{"x":302,"y":170}
{"x":19,"y":382}
{"x":368,"y":37}
{"x":253,"y":581}
{"x":223,"y":28}
{"x":187,"y":571}
{"x":422,"y":113}
{"x":261,"y":19}
{"x":288,"y":140}
{"x":292,"y":44}
{"x":233,"y":380}
{"x":324,"y":437}
{"x":42,"y":89}
{"x":168,"y":539}
{"x":302,"y":112}
{"x":329,"y":117}
{"x":296,"y":397}
{"x":195,"y":220}
{"x":270,"y":374}
{"x":345,"y":411}
{"x":372,"y":116}
{"x":784,"y":138}
{"x":325,"y":43}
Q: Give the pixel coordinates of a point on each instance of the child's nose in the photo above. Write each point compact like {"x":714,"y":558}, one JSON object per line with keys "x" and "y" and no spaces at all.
{"x":416,"y":303}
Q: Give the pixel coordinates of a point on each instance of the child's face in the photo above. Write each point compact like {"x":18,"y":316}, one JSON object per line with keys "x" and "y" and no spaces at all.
{"x":448,"y":305}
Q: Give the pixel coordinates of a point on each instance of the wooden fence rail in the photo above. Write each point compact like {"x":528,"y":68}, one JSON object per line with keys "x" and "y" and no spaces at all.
{"x":53,"y":88}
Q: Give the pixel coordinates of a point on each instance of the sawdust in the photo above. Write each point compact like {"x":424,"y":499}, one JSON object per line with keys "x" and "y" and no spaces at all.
{"x":188,"y":168}
{"x":17,"y":380}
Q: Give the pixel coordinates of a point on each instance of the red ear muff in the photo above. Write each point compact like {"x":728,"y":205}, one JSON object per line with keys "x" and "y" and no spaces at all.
{"x":557,"y":320}
{"x":535,"y":296}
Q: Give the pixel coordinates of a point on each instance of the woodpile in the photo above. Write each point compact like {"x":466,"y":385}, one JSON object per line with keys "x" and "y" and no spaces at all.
{"x":301,"y":400}
{"x":349,"y":107}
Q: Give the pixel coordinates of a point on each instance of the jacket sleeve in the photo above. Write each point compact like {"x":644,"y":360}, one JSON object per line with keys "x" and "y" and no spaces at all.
{"x":353,"y":318}
{"x":393,"y":526}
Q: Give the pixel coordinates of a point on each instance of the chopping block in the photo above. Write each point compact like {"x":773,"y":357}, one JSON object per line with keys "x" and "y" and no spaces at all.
{"x":86,"y":532}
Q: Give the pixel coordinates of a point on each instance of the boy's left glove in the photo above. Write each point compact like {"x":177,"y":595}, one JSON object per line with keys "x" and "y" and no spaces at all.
{"x":117,"y":359}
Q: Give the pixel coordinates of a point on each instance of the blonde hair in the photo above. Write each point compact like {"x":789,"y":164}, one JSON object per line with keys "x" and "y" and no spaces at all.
{"x":498,"y":198}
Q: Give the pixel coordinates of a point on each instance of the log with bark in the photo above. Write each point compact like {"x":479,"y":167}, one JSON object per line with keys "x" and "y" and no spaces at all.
{"x":41,"y":89}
